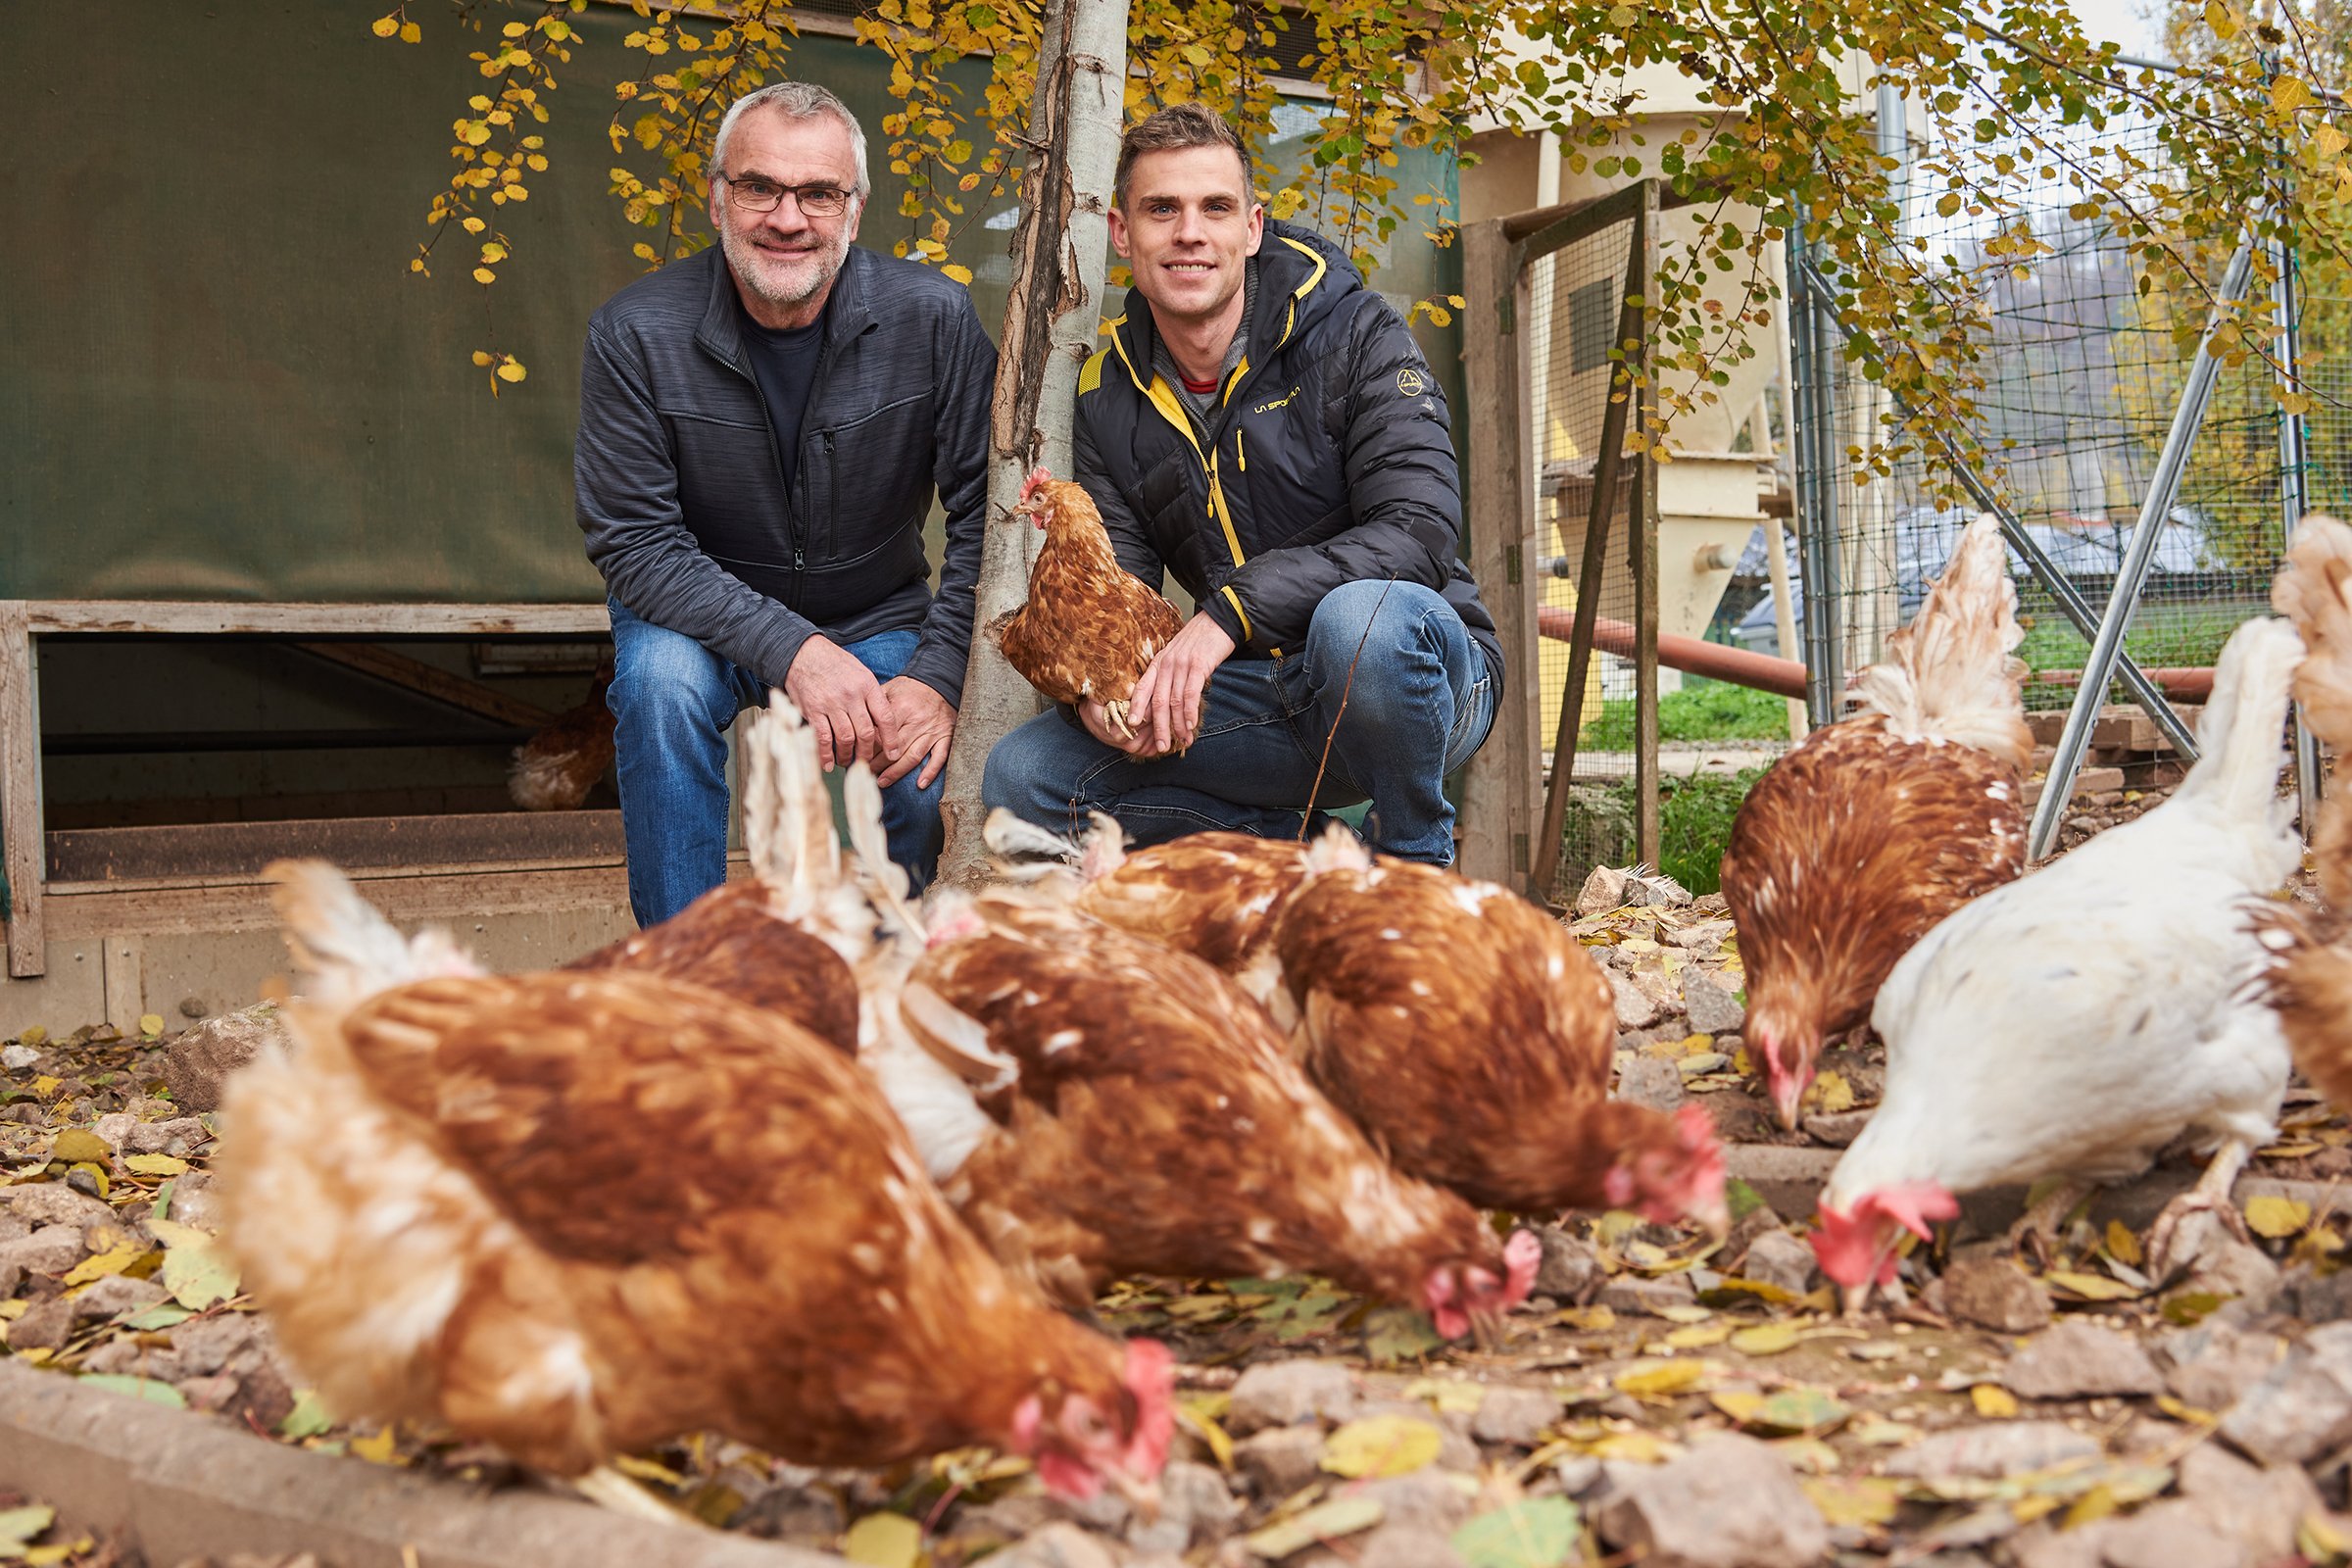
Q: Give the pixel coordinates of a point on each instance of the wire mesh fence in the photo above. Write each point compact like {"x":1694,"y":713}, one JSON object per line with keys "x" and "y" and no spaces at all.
{"x":1575,"y":299}
{"x":2085,"y":372}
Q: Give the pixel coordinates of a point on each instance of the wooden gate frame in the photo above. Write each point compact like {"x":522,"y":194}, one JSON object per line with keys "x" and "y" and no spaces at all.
{"x":1504,"y":828}
{"x":23,"y":840}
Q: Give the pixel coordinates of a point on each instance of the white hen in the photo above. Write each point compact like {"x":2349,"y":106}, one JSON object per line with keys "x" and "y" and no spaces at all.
{"x":2073,"y":1023}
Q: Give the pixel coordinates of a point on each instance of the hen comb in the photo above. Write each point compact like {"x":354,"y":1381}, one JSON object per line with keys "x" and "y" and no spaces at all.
{"x":1036,"y":477}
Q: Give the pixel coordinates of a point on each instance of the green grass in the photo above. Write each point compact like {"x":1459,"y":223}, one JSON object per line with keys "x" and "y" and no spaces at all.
{"x":2161,"y":637}
{"x":1715,"y":710}
{"x":1695,"y":823}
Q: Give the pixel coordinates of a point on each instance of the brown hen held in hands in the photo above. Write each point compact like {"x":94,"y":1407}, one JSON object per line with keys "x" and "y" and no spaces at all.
{"x":1855,"y":844}
{"x":1468,"y":1033}
{"x":520,"y":1204}
{"x":1090,"y":628}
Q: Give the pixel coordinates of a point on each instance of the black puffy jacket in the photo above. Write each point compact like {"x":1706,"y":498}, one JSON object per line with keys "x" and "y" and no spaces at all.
{"x":1328,"y":461}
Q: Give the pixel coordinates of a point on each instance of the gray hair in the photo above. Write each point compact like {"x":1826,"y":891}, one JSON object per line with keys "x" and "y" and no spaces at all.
{"x":799,"y":100}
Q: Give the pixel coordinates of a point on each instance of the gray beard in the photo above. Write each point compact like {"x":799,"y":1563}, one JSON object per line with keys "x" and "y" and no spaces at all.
{"x":744,"y":259}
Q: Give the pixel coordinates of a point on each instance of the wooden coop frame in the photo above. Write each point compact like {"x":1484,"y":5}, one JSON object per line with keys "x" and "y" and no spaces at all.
{"x":1514,"y":811}
{"x":197,"y":865}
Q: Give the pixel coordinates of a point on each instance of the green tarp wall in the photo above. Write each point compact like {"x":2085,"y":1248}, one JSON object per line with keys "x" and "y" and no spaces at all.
{"x":218,"y":378}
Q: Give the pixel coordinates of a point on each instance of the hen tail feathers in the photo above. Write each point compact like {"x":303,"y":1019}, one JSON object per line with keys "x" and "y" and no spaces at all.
{"x":1953,"y":673}
{"x":2240,"y":736}
{"x":787,"y":813}
{"x":2314,"y":591}
{"x":343,"y":949}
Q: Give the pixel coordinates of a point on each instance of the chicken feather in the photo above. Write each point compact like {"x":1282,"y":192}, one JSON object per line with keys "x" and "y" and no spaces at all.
{"x":2076,"y":1021}
{"x":518,"y":1205}
{"x":1857,"y":842}
{"x":1089,"y":628}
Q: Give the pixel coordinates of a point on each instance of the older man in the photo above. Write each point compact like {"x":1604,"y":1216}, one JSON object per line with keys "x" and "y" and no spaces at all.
{"x":1262,"y":427}
{"x":762,"y":427}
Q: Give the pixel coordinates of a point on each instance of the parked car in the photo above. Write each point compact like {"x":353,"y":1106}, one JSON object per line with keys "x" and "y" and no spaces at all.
{"x":2089,"y":551}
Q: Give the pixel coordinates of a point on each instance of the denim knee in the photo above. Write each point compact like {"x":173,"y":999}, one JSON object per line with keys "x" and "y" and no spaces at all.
{"x":663,"y":679}
{"x":1386,"y":633}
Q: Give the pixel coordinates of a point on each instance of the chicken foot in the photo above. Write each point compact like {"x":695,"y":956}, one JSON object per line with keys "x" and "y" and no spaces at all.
{"x":2211,"y":1194}
{"x":2036,"y":1233}
{"x":608,"y":1488}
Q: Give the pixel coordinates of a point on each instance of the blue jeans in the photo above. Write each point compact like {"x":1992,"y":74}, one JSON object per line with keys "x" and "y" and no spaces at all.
{"x":1421,"y":704}
{"x":672,"y":700}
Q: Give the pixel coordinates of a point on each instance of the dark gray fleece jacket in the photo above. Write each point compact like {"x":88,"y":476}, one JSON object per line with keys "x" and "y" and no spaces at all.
{"x":681,"y":491}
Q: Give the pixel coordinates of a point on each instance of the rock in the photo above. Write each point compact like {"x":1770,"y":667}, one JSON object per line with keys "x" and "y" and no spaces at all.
{"x":1993,"y":1293}
{"x":1635,"y":1008}
{"x":215,"y":1392}
{"x":1426,"y":1500}
{"x":193,"y":1203}
{"x":48,"y":1203}
{"x":206,"y":1345}
{"x":1394,"y":1545}
{"x":264,"y":1399}
{"x":2212,"y":1365}
{"x":51,"y":1249}
{"x":1515,"y":1416}
{"x":1651,"y":1081}
{"x":174,"y":1137}
{"x":1058,"y":1545}
{"x":44,"y":1326}
{"x":1632,"y":1292}
{"x":114,"y":1127}
{"x":1777,"y":1258}
{"x":114,"y":1295}
{"x":1990,"y":1452}
{"x":2169,"y":1535}
{"x":200,"y":1060}
{"x":2258,"y":1508}
{"x":1838,"y":1128}
{"x":16,"y":1058}
{"x":1009,"y":1518}
{"x":1279,"y":1460}
{"x":1702,"y":938}
{"x":2043,"y":1545}
{"x":1604,"y":890}
{"x":1713,"y":1010}
{"x":1730,"y":1502}
{"x":2315,"y":1297}
{"x":1655,"y":890}
{"x":2221,"y":1264}
{"x":1278,"y":1393}
{"x":2079,"y":1361}
{"x":2302,"y":1407}
{"x":1571,"y":1267}
{"x":1196,"y":1508}
{"x":126,"y":1358}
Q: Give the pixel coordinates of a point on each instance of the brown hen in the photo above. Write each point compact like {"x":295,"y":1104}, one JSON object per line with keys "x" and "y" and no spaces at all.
{"x":1468,"y":1033}
{"x":1132,"y":1112}
{"x":556,"y":768}
{"x":2311,"y":985}
{"x":1855,"y":844}
{"x":784,"y":939}
{"x":577,"y":1214}
{"x":1214,"y":895}
{"x":1090,"y":628}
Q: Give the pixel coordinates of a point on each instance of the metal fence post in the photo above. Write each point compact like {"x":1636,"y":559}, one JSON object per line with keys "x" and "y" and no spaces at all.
{"x":2099,"y":668}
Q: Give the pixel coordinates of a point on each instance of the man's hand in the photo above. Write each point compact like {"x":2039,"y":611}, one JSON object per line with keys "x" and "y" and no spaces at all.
{"x":926,"y":723}
{"x":1165,"y":709}
{"x":844,"y":703}
{"x":1137,"y":745}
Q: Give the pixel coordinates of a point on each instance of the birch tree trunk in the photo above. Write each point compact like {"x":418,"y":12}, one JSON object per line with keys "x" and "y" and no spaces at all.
{"x":1058,"y":255}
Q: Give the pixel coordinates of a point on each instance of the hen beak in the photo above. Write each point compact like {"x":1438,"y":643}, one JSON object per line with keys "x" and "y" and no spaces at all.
{"x":1717,"y":1218}
{"x":1141,"y":1495}
{"x":1788,"y":1100}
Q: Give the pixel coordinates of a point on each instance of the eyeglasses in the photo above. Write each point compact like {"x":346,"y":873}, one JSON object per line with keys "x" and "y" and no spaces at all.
{"x":766,"y":196}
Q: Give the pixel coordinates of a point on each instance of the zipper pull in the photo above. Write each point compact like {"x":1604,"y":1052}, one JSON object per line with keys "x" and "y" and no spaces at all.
{"x":798,"y":560}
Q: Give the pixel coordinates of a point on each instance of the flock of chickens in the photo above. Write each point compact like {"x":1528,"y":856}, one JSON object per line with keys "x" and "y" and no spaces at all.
{"x":898,"y":1149}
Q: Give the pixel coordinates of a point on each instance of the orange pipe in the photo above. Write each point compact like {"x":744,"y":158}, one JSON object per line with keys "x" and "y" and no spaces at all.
{"x":1784,"y":677}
